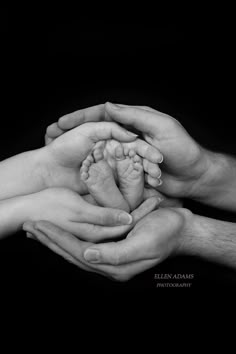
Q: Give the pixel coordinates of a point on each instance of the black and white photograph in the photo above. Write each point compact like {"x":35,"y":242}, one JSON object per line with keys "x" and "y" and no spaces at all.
{"x":118,"y":164}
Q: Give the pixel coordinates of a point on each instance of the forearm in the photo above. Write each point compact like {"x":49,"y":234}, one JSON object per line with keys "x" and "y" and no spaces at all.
{"x":13,"y":213}
{"x":22,"y":174}
{"x":217,"y":185}
{"x":211,"y":239}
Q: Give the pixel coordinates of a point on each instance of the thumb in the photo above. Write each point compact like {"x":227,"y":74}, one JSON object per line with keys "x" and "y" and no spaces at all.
{"x":143,"y":120}
{"x":105,"y":131}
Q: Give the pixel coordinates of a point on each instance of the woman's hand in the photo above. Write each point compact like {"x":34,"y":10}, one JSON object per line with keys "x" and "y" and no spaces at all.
{"x":185,"y":162}
{"x":155,"y":237}
{"x":66,"y":153}
{"x":71,"y":212}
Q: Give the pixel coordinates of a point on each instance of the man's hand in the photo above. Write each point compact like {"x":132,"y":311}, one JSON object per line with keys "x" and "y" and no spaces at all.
{"x":155,"y":237}
{"x":185,"y":162}
{"x":188,"y":169}
{"x":162,"y":233}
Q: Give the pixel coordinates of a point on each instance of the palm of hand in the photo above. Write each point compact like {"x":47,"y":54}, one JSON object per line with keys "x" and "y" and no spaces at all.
{"x":162,"y":229}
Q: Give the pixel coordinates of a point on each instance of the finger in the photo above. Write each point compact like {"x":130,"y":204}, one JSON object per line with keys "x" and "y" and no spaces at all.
{"x":47,"y":139}
{"x":90,"y":114}
{"x":143,"y":120}
{"x":53,"y":131}
{"x":96,"y":233}
{"x":151,"y":192}
{"x":145,"y":108}
{"x":146,"y":207}
{"x":60,"y":237}
{"x":41,"y":237}
{"x":104,"y":216}
{"x":119,"y":273}
{"x":29,"y":235}
{"x":124,"y":272}
{"x":131,"y":249}
{"x":89,"y":199}
{"x":153,"y":182}
{"x":145,"y":150}
{"x":105,"y":131}
{"x":151,"y":168}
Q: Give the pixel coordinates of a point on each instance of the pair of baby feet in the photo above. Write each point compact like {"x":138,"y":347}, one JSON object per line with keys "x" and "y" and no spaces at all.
{"x":115,"y":173}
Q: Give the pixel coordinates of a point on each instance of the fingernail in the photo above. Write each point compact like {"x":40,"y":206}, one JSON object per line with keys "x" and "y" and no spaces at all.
{"x":160,"y":182}
{"x":132,"y":134}
{"x":28,"y":224}
{"x":161,"y":160}
{"x":92,"y":255}
{"x":29,"y":235}
{"x":113,"y":105}
{"x":125,"y":219}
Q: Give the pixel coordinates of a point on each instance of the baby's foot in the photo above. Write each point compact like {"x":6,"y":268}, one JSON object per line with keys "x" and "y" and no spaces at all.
{"x":98,"y":177}
{"x":150,"y":155}
{"x":130,"y":176}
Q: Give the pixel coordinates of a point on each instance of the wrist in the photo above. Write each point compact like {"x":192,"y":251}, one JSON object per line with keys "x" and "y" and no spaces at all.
{"x":210,"y":176}
{"x":13,"y":213}
{"x":188,"y":229}
{"x":43,"y":167}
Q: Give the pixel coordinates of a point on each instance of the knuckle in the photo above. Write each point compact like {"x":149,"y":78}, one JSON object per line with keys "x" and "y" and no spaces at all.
{"x":107,"y":218}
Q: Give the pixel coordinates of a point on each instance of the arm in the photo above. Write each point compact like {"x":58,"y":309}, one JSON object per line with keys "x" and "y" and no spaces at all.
{"x":161,"y":234}
{"x":23,"y":173}
{"x":189,"y":171}
{"x":211,"y":239}
{"x":217,"y":185}
{"x":57,"y":164}
{"x":12,"y":215}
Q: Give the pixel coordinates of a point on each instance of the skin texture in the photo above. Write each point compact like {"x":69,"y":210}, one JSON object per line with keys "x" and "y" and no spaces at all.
{"x":58,"y":164}
{"x":198,"y":174}
{"x":162,"y":233}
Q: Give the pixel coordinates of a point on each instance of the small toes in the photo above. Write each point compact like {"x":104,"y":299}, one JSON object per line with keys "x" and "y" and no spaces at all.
{"x":126,"y":150}
{"x":119,"y":152}
{"x":84,"y":176}
{"x":138,"y":166}
{"x":132,"y":153}
{"x":98,"y":155}
{"x":88,"y":161}
{"x":137,"y":159}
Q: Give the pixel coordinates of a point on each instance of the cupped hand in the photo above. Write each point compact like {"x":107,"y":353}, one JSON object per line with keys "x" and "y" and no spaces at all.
{"x":89,"y":222}
{"x":155,"y":237}
{"x":66,"y":153}
{"x":185,"y":161}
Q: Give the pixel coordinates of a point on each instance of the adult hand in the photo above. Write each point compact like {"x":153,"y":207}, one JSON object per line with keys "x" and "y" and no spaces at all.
{"x":155,"y":237}
{"x":185,"y":162}
{"x":71,"y":212}
{"x":63,"y":157}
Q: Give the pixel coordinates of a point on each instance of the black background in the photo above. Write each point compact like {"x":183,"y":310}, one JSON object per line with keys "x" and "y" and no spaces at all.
{"x":58,"y":60}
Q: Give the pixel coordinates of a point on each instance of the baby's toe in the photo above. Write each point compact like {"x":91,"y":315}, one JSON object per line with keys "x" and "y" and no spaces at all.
{"x":132,"y":153}
{"x":119,"y":152}
{"x":84,"y":176}
{"x":88,"y":161}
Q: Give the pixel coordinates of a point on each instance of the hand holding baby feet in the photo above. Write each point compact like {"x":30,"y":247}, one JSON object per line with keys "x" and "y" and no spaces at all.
{"x":100,"y":181}
{"x":130,"y":176}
